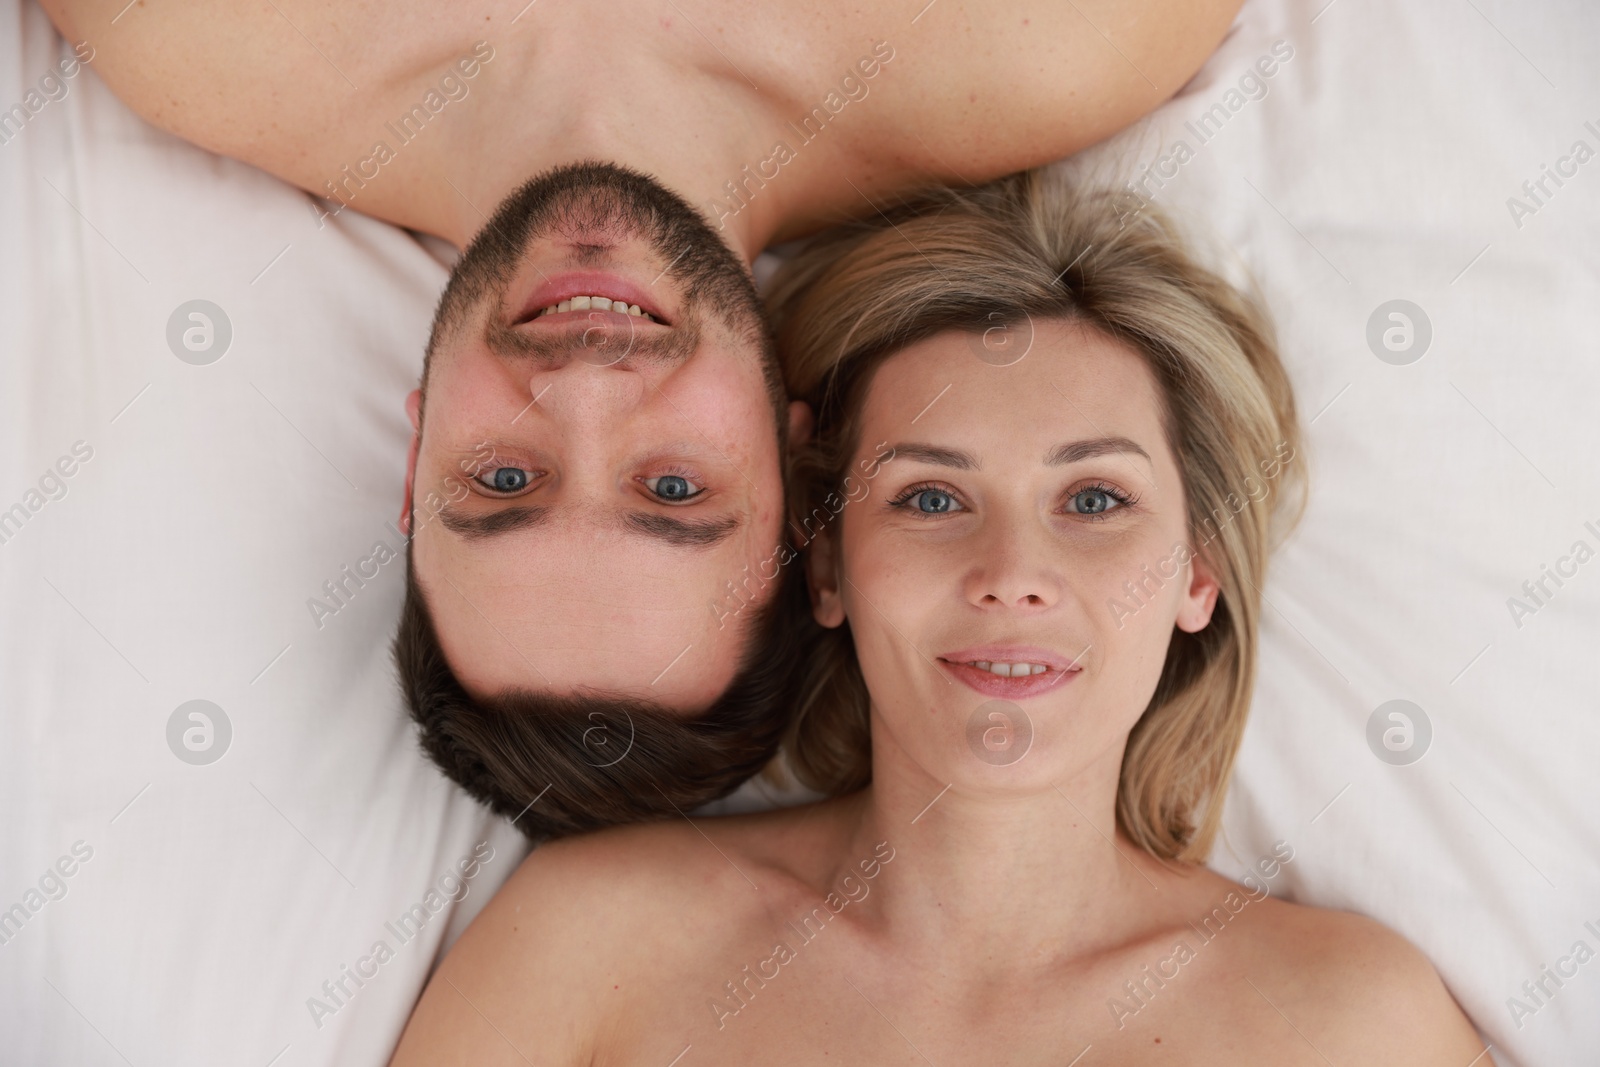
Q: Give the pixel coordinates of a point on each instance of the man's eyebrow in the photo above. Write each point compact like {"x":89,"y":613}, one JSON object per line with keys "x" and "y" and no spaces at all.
{"x":675,"y":531}
{"x":474,"y":527}
{"x":1074,"y":451}
{"x":665,"y":528}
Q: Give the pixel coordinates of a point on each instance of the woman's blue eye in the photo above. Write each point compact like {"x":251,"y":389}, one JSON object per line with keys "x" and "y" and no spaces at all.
{"x":1094,"y":501}
{"x":933,"y":502}
{"x":673,"y":487}
{"x":508,"y":479}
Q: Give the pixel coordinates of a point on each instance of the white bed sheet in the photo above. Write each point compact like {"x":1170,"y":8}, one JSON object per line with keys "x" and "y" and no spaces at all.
{"x":216,"y":900}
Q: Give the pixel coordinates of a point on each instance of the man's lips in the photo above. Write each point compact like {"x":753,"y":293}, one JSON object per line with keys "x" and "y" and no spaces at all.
{"x":623,"y":323}
{"x":1037,"y":670}
{"x":559,"y":287}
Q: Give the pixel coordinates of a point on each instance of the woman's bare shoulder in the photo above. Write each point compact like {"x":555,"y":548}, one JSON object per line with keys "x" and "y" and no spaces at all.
{"x":1356,"y":989}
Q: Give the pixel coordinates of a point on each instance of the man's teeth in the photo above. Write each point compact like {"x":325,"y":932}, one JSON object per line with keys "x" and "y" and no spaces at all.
{"x":1009,"y":670}
{"x":595,"y":303}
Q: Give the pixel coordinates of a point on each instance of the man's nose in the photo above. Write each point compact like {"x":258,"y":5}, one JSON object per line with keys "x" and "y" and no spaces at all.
{"x":586,"y":395}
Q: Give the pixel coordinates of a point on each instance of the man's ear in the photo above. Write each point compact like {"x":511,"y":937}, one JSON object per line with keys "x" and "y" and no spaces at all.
{"x":822,"y":575}
{"x":801,"y":423}
{"x":414,"y":412}
{"x":1200,"y":599}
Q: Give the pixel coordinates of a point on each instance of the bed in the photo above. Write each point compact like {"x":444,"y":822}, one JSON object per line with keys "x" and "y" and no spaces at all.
{"x":220,"y":842}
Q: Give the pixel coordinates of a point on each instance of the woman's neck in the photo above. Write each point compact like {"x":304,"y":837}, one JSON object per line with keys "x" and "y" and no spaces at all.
{"x":997,"y":877}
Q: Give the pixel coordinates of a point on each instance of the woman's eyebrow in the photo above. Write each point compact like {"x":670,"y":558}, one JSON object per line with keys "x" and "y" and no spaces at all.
{"x":942,"y":457}
{"x":1074,"y":451}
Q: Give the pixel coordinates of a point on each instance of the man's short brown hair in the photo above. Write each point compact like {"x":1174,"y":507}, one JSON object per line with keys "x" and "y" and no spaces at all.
{"x":560,"y":765}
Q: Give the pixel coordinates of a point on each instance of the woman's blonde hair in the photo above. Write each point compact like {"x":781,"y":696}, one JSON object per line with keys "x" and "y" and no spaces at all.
{"x":987,"y":261}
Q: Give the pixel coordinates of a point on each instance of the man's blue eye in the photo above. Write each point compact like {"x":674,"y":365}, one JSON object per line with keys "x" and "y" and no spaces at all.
{"x":934,"y":502}
{"x":673,"y":488}
{"x":508,"y":479}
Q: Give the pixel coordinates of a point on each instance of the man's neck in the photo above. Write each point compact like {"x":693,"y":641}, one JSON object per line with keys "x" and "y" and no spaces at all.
{"x":692,"y":157}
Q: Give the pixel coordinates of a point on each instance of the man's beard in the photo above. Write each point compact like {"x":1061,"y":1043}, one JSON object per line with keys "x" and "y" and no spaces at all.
{"x":615,"y":204}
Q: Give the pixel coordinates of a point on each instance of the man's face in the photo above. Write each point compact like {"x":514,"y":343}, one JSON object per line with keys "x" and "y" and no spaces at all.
{"x":586,"y":482}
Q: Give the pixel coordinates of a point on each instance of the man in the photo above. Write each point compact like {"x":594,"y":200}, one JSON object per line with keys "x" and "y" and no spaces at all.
{"x":595,"y":628}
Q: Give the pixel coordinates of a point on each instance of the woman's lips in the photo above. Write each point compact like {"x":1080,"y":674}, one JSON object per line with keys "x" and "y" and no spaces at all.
{"x":992,"y":685}
{"x":1057,"y":670}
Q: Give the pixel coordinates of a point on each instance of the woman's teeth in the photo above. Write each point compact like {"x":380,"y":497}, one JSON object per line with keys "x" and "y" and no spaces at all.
{"x":1009,"y":670}
{"x":595,"y":303}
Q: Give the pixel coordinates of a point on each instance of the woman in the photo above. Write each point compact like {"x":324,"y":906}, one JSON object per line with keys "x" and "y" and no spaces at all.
{"x":1037,"y":506}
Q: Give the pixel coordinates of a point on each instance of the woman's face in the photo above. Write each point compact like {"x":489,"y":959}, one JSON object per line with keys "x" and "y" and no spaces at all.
{"x":1014,"y":572}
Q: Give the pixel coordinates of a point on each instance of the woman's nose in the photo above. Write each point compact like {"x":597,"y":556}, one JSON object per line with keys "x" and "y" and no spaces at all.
{"x":1015,"y":568}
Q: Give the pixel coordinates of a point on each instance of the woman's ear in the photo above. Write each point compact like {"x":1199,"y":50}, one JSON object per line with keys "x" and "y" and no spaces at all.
{"x":1200,"y":599}
{"x":801,"y":423}
{"x":822,"y":575}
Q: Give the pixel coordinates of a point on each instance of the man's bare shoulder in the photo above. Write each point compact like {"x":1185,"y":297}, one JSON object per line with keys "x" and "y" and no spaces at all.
{"x":986,"y":87}
{"x":578,"y":928}
{"x":587,"y":921}
{"x":633,"y":874}
{"x":687,"y":855}
{"x":1356,"y":990}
